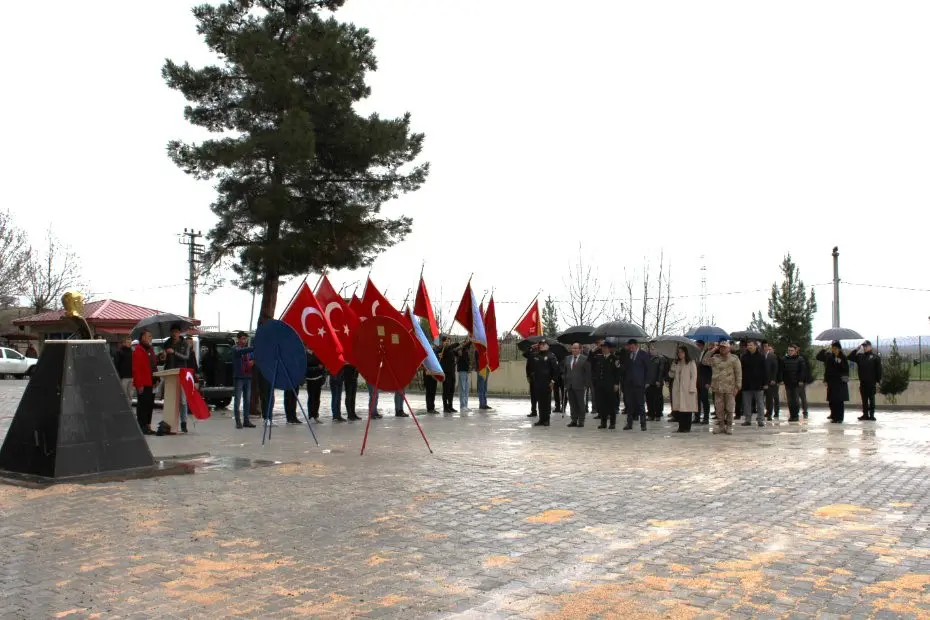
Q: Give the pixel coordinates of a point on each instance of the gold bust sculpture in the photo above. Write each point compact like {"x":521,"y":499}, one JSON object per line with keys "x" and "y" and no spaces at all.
{"x":73,"y":303}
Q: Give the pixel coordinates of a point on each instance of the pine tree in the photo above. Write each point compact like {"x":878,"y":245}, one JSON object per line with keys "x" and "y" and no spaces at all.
{"x":550,"y":318}
{"x":301,"y":177}
{"x":790,"y":313}
{"x":896,"y":374}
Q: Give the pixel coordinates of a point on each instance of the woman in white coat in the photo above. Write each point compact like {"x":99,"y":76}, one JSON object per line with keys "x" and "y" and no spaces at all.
{"x":684,"y":389}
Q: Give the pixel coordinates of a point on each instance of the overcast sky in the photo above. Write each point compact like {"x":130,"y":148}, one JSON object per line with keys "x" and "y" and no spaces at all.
{"x":734,"y":130}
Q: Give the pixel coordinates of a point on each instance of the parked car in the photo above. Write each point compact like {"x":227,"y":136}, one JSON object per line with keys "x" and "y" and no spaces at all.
{"x":16,"y":364}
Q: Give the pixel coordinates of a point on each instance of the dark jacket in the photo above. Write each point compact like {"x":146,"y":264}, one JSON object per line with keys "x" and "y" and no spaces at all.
{"x":795,"y":371}
{"x":123,"y":362}
{"x":835,"y":375}
{"x":754,"y":375}
{"x":465,"y":354}
{"x":315,"y":369}
{"x":637,"y":370}
{"x":705,"y":372}
{"x":181,"y":355}
{"x":773,"y":370}
{"x":870,"y":367}
{"x":541,"y":368}
{"x":607,"y":372}
{"x":447,"y":358}
{"x":658,"y":369}
{"x":242,"y":362}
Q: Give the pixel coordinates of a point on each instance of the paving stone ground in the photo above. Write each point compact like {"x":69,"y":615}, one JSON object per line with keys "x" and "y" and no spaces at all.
{"x":504,"y":520}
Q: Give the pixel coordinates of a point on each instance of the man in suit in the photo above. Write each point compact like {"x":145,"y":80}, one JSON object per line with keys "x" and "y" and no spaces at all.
{"x":634,"y":388}
{"x":576,"y":377}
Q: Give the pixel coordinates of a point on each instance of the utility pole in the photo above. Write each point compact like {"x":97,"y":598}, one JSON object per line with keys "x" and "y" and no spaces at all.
{"x":194,"y":260}
{"x":836,"y":287}
{"x":704,"y":319}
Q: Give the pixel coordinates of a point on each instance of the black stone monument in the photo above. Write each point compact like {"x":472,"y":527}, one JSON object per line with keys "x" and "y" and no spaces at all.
{"x":73,"y":423}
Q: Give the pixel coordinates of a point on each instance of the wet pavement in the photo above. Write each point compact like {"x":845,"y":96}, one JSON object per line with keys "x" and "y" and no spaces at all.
{"x":504,"y":520}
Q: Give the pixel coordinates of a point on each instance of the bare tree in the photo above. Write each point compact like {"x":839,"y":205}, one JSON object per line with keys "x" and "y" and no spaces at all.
{"x":655,"y":310}
{"x":443,"y":313}
{"x":585,"y":305}
{"x":14,"y":261}
{"x":52,"y":272}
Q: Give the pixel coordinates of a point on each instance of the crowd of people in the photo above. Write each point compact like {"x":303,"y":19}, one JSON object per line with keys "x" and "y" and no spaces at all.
{"x":743,"y":383}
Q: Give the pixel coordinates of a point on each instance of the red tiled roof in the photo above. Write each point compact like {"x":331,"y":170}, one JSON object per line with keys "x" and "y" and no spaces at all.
{"x":103,"y":311}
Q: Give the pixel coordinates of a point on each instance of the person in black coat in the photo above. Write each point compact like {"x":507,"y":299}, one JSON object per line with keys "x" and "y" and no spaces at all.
{"x":705,"y":375}
{"x":542,"y":368}
{"x":315,"y":376}
{"x":836,"y":376}
{"x":755,"y":381}
{"x":636,"y":378}
{"x":870,"y":376}
{"x":447,"y":359}
{"x":795,"y":372}
{"x":658,"y":375}
{"x":606,"y":377}
{"x":122,"y":360}
{"x":596,"y":356}
{"x":430,"y":383}
{"x":773,"y":377}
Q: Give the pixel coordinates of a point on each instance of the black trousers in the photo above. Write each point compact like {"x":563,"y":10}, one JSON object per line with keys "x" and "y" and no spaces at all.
{"x":772,"y":401}
{"x":604,"y":401}
{"x":429,"y":382}
{"x":314,"y":388}
{"x":684,"y":420}
{"x":145,"y":404}
{"x":703,"y":403}
{"x":350,"y":385}
{"x":655,"y":401}
{"x":792,"y":393}
{"x":532,"y":400}
{"x":739,"y":404}
{"x":558,"y":392}
{"x":543,"y":402}
{"x":576,"y":404}
{"x":837,"y":410}
{"x":448,"y":392}
{"x":290,"y":403}
{"x":635,"y":406}
{"x":867,"y":392}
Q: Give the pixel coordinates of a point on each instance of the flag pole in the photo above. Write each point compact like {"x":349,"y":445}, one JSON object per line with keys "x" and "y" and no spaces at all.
{"x":296,"y":293}
{"x":322,"y":275}
{"x":525,"y":310}
{"x":422,"y":266}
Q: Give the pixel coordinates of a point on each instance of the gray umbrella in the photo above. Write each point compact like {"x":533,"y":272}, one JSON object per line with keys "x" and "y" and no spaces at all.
{"x":838,"y":333}
{"x":160,"y":325}
{"x":621,"y":330}
{"x":747,"y":335}
{"x":579,"y":333}
{"x":668,"y":346}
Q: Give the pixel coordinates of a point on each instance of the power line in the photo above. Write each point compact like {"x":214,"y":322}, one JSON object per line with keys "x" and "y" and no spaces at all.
{"x":890,"y":287}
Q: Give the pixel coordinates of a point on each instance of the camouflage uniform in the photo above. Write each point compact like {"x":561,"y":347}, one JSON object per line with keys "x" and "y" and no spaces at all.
{"x":725,"y":383}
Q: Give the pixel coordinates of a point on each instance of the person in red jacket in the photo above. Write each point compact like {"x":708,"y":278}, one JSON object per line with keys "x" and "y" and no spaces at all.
{"x":144,"y":363}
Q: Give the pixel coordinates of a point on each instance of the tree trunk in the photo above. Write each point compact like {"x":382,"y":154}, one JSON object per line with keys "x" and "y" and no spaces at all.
{"x":272,"y":276}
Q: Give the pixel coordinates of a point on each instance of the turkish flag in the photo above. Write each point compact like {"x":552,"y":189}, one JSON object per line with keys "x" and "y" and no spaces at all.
{"x":195,"y":402}
{"x":423,"y":307}
{"x":388,"y":354}
{"x":376,"y":304}
{"x":355,"y":304}
{"x":307,"y":318}
{"x":531,"y":324}
{"x":339,"y":315}
{"x":490,"y":358}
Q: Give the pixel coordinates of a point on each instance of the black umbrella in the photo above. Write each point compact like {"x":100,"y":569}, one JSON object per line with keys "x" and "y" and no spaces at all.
{"x":747,"y":335}
{"x":160,"y":325}
{"x":579,"y":333}
{"x":838,"y":333}
{"x":555,"y":346}
{"x":621,"y":330}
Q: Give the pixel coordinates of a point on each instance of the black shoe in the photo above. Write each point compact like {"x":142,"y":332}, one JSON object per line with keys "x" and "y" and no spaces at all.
{"x":572,"y":424}
{"x":581,"y":425}
{"x":602,"y":425}
{"x":183,"y":427}
{"x":872,"y":418}
{"x":628,"y":427}
{"x":248,"y":424}
{"x":863,"y":418}
{"x":540,"y":423}
{"x":453,"y":410}
{"x":296,"y":421}
{"x":238,"y":424}
{"x":612,"y":427}
{"x":401,"y":414}
{"x":147,"y":431}
{"x":354,"y":417}
{"x":431,"y":411}
{"x":746,"y":423}
{"x":338,"y":418}
{"x":377,"y":416}
{"x":794,"y":419}
{"x":643,"y":428}
{"x":529,"y":415}
{"x":485,"y":408}
{"x":805,"y":415}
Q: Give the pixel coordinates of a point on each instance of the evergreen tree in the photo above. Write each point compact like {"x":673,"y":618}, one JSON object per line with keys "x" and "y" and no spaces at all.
{"x":790,"y":313}
{"x":550,"y":318}
{"x":896,"y":374}
{"x":301,"y":177}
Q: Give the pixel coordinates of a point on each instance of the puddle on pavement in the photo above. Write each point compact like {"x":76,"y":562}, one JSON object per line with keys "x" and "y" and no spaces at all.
{"x":211,"y":463}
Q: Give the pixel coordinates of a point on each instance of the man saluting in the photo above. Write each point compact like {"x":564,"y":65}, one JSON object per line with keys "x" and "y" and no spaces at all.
{"x":542,"y":368}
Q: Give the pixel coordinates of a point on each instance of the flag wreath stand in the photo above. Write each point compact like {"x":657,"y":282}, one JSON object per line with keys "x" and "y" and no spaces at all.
{"x":386,"y":351}
{"x":280,"y":354}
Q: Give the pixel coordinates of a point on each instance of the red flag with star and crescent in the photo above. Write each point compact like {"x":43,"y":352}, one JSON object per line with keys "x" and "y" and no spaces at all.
{"x":423,"y":307}
{"x":339,"y":314}
{"x":355,"y":304}
{"x":374,"y":303}
{"x":195,"y":402}
{"x":531,"y":323}
{"x":308,"y":319}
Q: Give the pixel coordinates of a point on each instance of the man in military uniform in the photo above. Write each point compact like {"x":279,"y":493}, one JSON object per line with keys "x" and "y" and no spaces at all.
{"x":542,"y":368}
{"x":605,"y":376}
